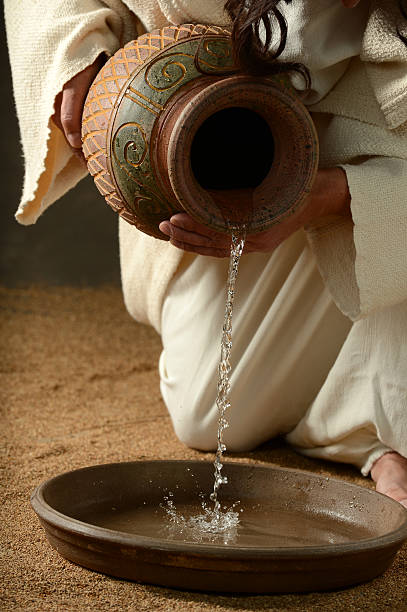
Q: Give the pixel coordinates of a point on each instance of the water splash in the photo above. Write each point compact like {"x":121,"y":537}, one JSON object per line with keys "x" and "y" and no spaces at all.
{"x":209,"y":527}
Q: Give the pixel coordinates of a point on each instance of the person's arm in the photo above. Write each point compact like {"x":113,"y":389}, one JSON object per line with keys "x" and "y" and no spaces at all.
{"x":50,"y":44}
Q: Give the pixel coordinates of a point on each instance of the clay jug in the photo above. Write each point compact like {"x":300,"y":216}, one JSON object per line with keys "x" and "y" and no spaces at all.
{"x":170,"y":125}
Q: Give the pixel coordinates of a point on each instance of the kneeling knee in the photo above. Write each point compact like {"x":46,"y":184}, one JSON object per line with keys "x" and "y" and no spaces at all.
{"x":202,"y":434}
{"x":196,"y":433}
{"x":195,"y":421}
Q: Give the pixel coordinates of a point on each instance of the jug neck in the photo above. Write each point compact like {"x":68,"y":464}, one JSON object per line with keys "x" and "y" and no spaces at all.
{"x":175,"y":140}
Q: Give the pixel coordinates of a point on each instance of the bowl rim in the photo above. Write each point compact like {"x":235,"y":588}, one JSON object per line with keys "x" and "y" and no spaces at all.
{"x":74,"y":526}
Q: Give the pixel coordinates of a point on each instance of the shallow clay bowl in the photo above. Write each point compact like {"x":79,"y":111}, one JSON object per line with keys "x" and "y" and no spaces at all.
{"x":298,"y":531}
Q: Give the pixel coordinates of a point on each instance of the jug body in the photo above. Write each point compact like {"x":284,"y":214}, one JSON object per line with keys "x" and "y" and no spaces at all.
{"x":169,"y":125}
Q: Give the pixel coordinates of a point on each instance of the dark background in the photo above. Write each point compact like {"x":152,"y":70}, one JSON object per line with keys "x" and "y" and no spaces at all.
{"x":73,"y":243}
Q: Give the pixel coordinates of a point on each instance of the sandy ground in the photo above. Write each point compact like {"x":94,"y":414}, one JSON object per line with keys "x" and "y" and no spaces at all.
{"x":80,"y":387}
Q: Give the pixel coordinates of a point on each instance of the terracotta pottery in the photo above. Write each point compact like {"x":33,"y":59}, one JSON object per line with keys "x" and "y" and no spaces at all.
{"x":298,"y":531}
{"x":169,"y":125}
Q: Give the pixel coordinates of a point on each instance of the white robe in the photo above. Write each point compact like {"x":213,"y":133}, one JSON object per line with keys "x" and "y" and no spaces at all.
{"x":358,"y":101}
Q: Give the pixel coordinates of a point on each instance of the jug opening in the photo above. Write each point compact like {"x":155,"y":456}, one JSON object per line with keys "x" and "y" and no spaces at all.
{"x":237,"y":151}
{"x":231,"y":154}
{"x":232,"y":149}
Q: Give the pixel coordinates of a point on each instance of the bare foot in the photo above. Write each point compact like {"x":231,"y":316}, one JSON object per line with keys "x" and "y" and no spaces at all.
{"x":390,"y":475}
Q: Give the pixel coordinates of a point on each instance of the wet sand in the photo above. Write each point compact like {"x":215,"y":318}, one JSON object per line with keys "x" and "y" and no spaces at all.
{"x":79,"y":386}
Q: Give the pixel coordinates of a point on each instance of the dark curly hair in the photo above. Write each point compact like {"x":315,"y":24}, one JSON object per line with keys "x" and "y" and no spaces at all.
{"x":251,"y":53}
{"x":258,"y":56}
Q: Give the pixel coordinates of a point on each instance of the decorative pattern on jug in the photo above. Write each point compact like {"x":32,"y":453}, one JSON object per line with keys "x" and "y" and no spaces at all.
{"x":127,"y":97}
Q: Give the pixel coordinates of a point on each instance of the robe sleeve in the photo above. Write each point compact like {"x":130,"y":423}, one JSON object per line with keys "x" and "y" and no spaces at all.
{"x":363,"y":261}
{"x":49,"y":43}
